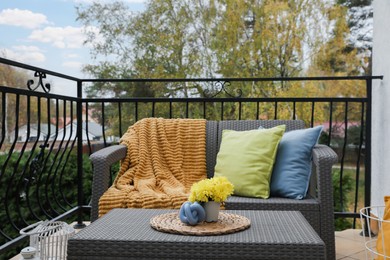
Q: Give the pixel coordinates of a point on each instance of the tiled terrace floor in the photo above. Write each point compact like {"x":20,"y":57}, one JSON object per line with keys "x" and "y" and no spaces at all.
{"x":349,"y":245}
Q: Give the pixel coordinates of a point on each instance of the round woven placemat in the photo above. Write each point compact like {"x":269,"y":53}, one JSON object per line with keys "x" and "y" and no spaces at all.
{"x":227,"y":223}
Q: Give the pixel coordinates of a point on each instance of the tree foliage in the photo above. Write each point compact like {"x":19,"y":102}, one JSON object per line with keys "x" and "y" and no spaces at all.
{"x":11,"y":77}
{"x":187,"y":39}
{"x":360,"y":21}
{"x":225,"y":38}
{"x":53,"y":190}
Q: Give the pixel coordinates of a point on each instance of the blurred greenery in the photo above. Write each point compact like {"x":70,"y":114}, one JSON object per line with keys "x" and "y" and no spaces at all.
{"x":343,"y":193}
{"x":30,"y":197}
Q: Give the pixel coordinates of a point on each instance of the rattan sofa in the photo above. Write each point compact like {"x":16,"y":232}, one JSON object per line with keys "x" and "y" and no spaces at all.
{"x":317,"y":207}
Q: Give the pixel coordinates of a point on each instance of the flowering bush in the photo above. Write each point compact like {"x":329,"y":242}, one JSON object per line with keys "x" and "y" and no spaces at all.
{"x":216,"y":189}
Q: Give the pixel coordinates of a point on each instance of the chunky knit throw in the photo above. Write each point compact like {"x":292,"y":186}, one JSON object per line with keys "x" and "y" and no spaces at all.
{"x":164,"y":158}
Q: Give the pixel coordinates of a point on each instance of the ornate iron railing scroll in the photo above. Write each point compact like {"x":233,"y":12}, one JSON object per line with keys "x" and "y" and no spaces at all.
{"x":220,"y":87}
{"x":40,"y":75}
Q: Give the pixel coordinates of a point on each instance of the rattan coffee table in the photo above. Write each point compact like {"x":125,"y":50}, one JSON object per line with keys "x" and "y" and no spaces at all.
{"x":127,"y":234}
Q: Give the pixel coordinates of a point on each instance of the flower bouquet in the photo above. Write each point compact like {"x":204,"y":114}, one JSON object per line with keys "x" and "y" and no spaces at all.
{"x":205,"y":199}
{"x":216,"y":189}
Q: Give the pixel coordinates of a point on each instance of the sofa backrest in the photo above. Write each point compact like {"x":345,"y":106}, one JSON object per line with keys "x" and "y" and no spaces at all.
{"x":214,"y":134}
{"x":211,"y":146}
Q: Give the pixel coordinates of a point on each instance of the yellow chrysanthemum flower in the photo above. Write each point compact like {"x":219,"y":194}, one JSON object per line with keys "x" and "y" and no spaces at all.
{"x":216,"y":189}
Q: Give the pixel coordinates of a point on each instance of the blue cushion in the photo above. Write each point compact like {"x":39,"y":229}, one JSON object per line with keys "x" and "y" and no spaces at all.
{"x":292,"y":169}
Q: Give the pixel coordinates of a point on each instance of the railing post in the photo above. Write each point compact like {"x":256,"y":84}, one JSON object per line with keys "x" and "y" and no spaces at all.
{"x":367,"y":172}
{"x":79,"y":130}
{"x":367,"y":157}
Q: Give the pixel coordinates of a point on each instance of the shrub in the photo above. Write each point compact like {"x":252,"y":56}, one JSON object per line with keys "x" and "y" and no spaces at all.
{"x":346,"y":188}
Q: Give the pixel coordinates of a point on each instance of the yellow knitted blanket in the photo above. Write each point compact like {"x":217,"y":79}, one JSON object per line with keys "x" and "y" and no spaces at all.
{"x":164,"y":158}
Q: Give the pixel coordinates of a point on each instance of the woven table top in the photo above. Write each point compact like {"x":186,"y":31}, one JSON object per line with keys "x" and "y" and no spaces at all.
{"x":227,"y":223}
{"x":127,"y":234}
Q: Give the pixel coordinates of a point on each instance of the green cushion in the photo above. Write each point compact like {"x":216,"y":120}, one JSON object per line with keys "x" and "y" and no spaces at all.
{"x":246,"y":158}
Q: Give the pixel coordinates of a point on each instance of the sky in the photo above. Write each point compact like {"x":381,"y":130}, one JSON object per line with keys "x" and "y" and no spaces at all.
{"x":45,"y":33}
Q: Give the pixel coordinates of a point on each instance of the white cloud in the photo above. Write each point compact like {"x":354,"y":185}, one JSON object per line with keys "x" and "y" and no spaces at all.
{"x":22,"y":18}
{"x":71,"y":55}
{"x":25,"y":54}
{"x":61,"y":37}
{"x":72,"y":64}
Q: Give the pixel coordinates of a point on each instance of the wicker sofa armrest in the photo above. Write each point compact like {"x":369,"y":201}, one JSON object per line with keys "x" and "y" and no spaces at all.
{"x":101,"y":162}
{"x":323,"y":160}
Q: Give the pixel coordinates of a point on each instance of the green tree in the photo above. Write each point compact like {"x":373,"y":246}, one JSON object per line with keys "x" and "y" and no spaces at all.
{"x":188,"y":39}
{"x":266,"y":38}
{"x":338,"y":58}
{"x":223,"y":38}
{"x":23,"y":194}
{"x":360,"y":21}
{"x":342,"y":187}
{"x":153,"y":44}
{"x":184,"y":39}
{"x":14,"y":78}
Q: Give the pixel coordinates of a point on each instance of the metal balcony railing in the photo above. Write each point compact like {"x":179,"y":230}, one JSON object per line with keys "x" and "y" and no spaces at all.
{"x":44,"y":167}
